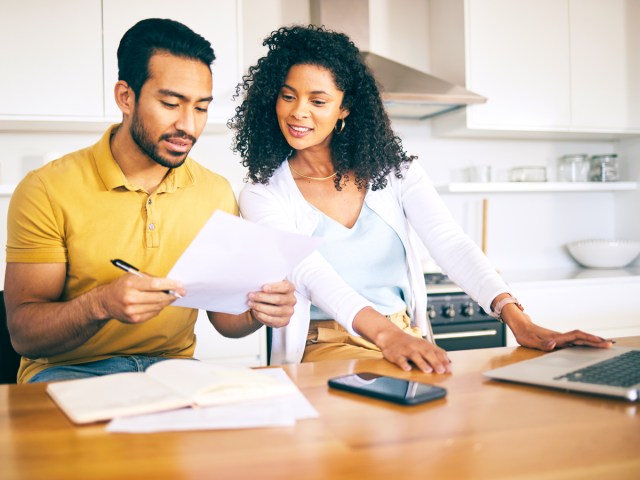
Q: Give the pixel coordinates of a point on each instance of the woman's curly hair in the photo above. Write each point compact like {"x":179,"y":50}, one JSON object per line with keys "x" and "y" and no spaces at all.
{"x":367,"y":145}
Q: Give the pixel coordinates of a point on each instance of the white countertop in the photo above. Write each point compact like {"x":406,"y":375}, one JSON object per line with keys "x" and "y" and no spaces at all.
{"x":575,"y":273}
{"x":563,"y":276}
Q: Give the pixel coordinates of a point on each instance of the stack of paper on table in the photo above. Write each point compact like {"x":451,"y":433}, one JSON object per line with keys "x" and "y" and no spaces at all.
{"x":281,"y":411}
{"x":166,"y":385}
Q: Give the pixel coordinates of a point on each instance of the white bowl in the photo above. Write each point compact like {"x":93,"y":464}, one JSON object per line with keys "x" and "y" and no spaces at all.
{"x":604,"y":253}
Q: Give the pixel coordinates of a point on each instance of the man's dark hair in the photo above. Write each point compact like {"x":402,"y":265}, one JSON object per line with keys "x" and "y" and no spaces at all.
{"x":153,"y":35}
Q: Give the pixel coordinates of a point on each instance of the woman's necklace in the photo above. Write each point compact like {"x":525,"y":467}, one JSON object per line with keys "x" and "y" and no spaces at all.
{"x":311,"y":178}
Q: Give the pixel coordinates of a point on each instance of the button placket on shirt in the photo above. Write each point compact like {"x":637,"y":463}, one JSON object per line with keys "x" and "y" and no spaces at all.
{"x":151,"y":228}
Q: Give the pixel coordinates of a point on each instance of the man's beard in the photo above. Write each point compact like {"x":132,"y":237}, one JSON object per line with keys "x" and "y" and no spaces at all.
{"x":150,"y":148}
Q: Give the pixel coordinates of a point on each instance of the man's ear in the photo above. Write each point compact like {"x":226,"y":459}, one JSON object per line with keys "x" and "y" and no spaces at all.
{"x":124,"y":96}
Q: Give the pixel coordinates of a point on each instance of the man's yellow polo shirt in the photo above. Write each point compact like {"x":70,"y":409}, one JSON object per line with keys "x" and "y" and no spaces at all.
{"x":80,"y":210}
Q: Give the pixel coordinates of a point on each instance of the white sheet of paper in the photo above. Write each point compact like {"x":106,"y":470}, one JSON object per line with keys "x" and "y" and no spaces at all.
{"x":275,"y":412}
{"x":299,"y":405}
{"x":231,"y":257}
{"x":209,"y":418}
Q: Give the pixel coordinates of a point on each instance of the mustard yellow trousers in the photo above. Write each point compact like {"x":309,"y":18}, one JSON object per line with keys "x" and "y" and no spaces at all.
{"x":328,"y":340}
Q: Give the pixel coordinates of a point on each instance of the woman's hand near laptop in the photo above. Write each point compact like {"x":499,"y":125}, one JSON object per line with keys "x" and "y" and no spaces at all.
{"x":528,"y":334}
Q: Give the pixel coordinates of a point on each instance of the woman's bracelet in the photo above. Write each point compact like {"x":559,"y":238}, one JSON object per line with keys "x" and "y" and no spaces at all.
{"x":497,"y":310}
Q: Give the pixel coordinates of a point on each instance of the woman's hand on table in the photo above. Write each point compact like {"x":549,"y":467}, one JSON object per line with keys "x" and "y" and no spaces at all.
{"x":403,"y":349}
{"x":399,"y":347}
{"x":528,"y":334}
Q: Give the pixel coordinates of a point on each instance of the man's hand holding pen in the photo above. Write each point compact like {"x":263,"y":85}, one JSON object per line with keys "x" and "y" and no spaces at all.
{"x":127,"y":267}
{"x":137,"y":297}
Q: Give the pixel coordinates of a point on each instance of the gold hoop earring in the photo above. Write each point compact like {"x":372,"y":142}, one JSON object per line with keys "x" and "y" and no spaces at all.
{"x":342,"y":124}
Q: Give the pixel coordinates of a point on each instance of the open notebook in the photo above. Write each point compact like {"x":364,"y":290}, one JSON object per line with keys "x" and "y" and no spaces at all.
{"x":613,"y":371}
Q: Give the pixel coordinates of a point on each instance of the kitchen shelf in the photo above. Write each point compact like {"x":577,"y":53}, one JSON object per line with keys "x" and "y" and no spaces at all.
{"x":515,"y":187}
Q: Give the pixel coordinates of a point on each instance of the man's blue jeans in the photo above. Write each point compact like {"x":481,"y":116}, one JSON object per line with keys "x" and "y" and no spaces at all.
{"x":130,"y":363}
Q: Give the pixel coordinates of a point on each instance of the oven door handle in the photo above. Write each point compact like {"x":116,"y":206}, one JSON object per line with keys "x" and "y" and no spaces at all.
{"x":472,"y":333}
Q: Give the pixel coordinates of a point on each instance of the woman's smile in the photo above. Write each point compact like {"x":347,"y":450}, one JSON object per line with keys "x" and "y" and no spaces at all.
{"x":298,"y":131}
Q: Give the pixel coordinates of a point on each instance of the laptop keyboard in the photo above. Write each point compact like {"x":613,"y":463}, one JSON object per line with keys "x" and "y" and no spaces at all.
{"x":620,"y":371}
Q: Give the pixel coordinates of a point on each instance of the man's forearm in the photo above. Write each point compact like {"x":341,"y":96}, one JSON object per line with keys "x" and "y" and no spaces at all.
{"x":43,"y":329}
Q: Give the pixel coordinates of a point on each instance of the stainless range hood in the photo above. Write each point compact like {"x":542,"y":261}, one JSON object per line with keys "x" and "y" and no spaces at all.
{"x":406,"y":91}
{"x":411,"y":93}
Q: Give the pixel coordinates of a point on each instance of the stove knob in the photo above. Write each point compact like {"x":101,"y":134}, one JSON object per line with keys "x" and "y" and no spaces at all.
{"x":468,"y":309}
{"x":431,"y":312}
{"x":449,"y":311}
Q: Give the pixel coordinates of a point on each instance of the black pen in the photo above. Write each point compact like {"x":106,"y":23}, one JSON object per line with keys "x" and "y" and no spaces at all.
{"x":121,"y":264}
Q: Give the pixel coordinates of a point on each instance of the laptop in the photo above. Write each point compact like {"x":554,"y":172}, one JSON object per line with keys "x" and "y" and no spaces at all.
{"x":611,"y":371}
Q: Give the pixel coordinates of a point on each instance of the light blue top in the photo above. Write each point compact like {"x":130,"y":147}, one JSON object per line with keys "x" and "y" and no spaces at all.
{"x":369,"y":257}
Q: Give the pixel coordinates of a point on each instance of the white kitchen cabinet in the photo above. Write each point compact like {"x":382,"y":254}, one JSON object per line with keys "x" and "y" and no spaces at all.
{"x":60,"y":66}
{"x":216,"y":21}
{"x":549,"y":68}
{"x":250,"y":351}
{"x":605,"y":65}
{"x":518,"y":57}
{"x":51,"y":57}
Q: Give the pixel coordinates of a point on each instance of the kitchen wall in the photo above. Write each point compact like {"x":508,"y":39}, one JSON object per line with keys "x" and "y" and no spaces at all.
{"x":628,"y":205}
{"x":525,"y":230}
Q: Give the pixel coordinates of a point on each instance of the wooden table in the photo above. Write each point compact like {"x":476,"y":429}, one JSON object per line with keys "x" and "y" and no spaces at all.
{"x":482,"y":429}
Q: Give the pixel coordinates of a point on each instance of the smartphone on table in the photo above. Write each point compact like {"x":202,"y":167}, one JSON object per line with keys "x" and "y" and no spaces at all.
{"x":398,"y":390}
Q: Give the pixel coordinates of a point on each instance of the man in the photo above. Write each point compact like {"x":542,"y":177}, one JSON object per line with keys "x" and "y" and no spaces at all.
{"x":134,"y":195}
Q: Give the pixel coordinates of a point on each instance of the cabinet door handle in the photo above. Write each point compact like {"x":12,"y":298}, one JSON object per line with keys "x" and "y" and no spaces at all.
{"x":473,"y":333}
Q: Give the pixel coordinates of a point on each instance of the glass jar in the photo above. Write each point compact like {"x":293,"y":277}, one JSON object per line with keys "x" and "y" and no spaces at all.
{"x":573,"y":168}
{"x":604,"y":168}
{"x":528,"y":174}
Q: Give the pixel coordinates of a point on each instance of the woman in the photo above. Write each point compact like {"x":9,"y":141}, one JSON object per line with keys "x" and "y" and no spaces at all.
{"x":323,"y":161}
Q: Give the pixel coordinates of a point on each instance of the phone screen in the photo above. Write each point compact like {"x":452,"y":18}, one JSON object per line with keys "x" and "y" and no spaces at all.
{"x":397,"y":390}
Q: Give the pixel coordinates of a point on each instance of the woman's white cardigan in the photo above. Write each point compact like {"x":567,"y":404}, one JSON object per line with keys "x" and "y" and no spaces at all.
{"x":410,"y":205}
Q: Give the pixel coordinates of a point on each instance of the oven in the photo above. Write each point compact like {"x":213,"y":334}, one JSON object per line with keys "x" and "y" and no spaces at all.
{"x":459,"y":323}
